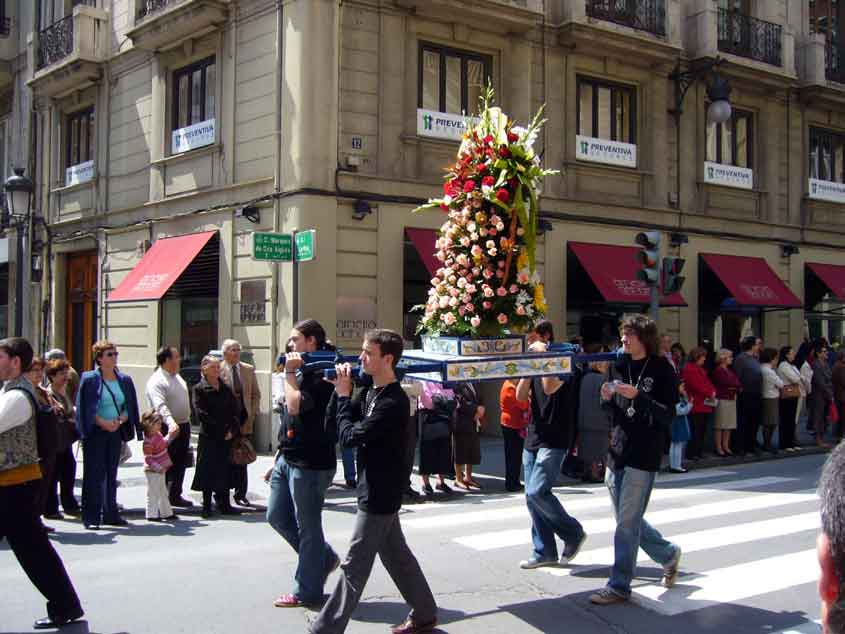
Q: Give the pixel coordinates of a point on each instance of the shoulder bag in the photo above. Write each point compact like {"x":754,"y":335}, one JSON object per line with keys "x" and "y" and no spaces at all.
{"x":790,"y":390}
{"x":242,"y":452}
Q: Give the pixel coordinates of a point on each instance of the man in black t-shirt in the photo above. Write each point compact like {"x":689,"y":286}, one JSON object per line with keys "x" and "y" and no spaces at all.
{"x":641,"y":396}
{"x":553,"y":409}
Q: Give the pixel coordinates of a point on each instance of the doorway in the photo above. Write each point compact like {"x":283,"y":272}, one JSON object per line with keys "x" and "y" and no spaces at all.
{"x":81,"y":324}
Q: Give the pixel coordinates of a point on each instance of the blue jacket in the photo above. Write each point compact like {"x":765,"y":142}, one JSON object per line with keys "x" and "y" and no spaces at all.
{"x":88,"y":397}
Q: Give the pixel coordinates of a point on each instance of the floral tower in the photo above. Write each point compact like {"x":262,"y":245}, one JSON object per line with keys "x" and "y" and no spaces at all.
{"x":487,"y":284}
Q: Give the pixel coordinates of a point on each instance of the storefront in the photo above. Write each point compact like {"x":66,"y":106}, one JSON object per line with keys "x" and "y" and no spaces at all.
{"x":419,"y":266}
{"x":824,"y":301}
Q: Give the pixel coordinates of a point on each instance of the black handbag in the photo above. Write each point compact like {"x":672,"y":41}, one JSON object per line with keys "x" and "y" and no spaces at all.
{"x":46,"y":427}
{"x":436,"y":424}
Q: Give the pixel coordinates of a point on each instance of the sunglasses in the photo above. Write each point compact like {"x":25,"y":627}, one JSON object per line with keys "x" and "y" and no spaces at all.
{"x":111,"y":353}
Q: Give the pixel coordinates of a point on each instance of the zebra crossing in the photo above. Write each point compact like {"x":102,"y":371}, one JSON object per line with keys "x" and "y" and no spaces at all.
{"x":743,"y":538}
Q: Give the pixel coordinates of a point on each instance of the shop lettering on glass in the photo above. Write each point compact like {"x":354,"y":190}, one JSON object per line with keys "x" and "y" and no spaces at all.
{"x":632,"y":288}
{"x":758,"y":292}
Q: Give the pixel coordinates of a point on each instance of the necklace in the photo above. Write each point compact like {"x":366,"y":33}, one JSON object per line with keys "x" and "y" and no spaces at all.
{"x":630,"y":412}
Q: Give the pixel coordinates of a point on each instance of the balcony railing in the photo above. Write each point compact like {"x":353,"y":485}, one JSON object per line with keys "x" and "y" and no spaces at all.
{"x":55,"y":42}
{"x":643,"y":15}
{"x":834,"y":62}
{"x":152,"y":6}
{"x":745,"y":36}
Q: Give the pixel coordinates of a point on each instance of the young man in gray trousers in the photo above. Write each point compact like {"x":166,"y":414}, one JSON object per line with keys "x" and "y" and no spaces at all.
{"x":379,"y":433}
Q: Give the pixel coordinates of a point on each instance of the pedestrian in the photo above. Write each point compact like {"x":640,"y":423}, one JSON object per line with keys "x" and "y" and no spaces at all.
{"x":48,"y":443}
{"x":643,"y":406}
{"x":807,"y":386}
{"x":789,"y":397}
{"x":772,"y":385}
{"x":167,"y":393}
{"x":240,"y":377}
{"x":57,"y":354}
{"x":436,"y":413}
{"x":838,"y":378}
{"x":20,"y":477}
{"x":384,"y":471}
{"x":678,"y":357}
{"x":64,"y":474}
{"x":702,"y":395}
{"x":157,"y":461}
{"x":515,"y":415}
{"x":830,"y":545}
{"x":680,"y":431}
{"x":666,"y":350}
{"x":107,"y":415}
{"x":727,"y":388}
{"x":749,"y":402}
{"x":593,"y":421}
{"x":414,"y":390}
{"x":549,"y":437}
{"x":304,"y":468}
{"x":822,"y":393}
{"x":466,"y":441}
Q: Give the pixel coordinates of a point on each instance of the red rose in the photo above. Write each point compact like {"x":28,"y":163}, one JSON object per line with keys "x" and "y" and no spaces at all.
{"x":488,"y":139}
{"x":482,"y":169}
{"x":513,"y":183}
{"x":512,"y":137}
{"x":488,"y":181}
{"x":504,"y":152}
{"x":444,"y":208}
{"x":469,"y":186}
{"x":503,"y":195}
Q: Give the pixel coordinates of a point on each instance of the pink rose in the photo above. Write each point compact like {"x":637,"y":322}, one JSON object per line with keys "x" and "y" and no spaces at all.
{"x":487,"y":305}
{"x":514,"y":288}
{"x":492,"y":252}
{"x":501,"y":291}
{"x":520,"y":310}
{"x":475,"y":321}
{"x":502,"y":318}
{"x":470,"y":308}
{"x":488,"y":292}
{"x":448,"y":319}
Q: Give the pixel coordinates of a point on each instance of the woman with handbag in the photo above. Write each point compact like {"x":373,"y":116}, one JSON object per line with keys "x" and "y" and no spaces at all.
{"x":437,"y":418}
{"x":702,"y":394}
{"x":821,"y":395}
{"x":466,"y":445}
{"x":727,"y":386}
{"x":772,"y":385}
{"x":217,"y":413}
{"x":107,"y":415}
{"x":789,"y":397}
{"x":64,"y":476}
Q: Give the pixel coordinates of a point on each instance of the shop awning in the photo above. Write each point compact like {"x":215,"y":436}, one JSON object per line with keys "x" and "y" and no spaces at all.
{"x":613,"y":270}
{"x":833,"y":276}
{"x":160,"y":267}
{"x":751,"y":281}
{"x":423,"y":241}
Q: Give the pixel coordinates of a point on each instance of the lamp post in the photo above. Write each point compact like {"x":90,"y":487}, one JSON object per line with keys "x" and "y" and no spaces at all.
{"x":17,"y":212}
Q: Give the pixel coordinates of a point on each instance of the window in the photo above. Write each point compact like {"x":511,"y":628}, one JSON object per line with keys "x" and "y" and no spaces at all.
{"x":607,"y":111}
{"x":452,"y":81}
{"x":825,"y":17}
{"x":827,"y":155}
{"x":79,"y":137}
{"x":732,"y":142}
{"x":194,"y":90}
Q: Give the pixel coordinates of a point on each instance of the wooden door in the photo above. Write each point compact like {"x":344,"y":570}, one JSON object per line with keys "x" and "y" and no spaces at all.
{"x":81,"y":325}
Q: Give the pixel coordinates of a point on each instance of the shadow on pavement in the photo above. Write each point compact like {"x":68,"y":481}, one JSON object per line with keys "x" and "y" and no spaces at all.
{"x":77,"y":627}
{"x":393,"y":612}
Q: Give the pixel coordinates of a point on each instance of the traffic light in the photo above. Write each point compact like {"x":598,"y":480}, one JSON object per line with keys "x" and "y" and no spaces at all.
{"x":672,"y":278}
{"x":649,"y":257}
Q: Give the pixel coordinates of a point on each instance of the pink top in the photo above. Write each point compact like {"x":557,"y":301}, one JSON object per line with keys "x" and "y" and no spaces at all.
{"x":431,"y":389}
{"x":156,"y":457}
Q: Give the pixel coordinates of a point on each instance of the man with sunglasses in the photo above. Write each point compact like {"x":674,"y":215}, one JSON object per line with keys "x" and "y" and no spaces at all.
{"x":830,"y":545}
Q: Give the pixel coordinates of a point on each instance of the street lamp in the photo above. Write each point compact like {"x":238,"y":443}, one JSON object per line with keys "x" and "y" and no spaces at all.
{"x":16,"y":212}
{"x":718,"y":90}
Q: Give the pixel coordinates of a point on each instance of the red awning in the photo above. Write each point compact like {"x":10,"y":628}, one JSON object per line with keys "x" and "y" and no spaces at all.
{"x":423,"y":241}
{"x":751,"y":281}
{"x":160,"y":267}
{"x":833,"y":276}
{"x":613,"y":269}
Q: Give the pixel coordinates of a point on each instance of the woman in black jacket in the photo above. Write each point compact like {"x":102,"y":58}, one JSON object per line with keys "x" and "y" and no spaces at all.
{"x":217,"y":412}
{"x":466,"y":443}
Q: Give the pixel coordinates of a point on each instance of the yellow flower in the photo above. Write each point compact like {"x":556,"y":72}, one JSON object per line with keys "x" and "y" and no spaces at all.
{"x":540,"y":299}
{"x":522,"y":260}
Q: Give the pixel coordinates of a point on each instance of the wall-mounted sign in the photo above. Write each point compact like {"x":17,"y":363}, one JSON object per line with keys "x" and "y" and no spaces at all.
{"x":193,"y":137}
{"x":355,"y":316}
{"x":253,"y":301}
{"x":826,"y":190}
{"x":357,"y":143}
{"x":588,"y":148}
{"x":272,"y":247}
{"x":306,"y":245}
{"x":80,"y":173}
{"x":441,"y":125}
{"x":728,"y":175}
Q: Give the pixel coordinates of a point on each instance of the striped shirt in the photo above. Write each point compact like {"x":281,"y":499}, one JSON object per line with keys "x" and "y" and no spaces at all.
{"x":156,"y":457}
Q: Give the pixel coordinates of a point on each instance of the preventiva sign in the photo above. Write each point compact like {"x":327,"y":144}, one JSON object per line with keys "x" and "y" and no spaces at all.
{"x":728,"y":175}
{"x":79,"y":173}
{"x":441,"y":125}
{"x":192,"y":137}
{"x":603,"y":151}
{"x":826,"y":190}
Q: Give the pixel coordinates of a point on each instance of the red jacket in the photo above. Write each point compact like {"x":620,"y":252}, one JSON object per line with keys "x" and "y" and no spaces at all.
{"x":514,"y":413}
{"x":698,"y":386}
{"x":726,"y":382}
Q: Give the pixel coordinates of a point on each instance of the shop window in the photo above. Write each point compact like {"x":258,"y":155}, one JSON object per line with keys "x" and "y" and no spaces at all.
{"x":450,"y":80}
{"x":827,"y":155}
{"x":731,"y":143}
{"x":79,"y":147}
{"x":416,"y":282}
{"x":607,"y":111}
{"x":194,"y":106}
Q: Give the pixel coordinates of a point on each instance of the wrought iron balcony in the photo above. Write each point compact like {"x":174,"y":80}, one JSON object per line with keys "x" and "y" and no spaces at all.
{"x":152,"y":6}
{"x":55,"y":42}
{"x":163,"y":24}
{"x":742,"y":35}
{"x":643,"y":15}
{"x":834,"y":62}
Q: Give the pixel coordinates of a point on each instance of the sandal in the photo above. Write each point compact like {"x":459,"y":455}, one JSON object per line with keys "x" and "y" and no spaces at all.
{"x":288,"y":601}
{"x":472,"y":483}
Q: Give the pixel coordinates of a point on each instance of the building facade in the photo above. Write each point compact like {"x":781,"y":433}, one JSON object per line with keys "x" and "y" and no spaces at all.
{"x":169,"y":131}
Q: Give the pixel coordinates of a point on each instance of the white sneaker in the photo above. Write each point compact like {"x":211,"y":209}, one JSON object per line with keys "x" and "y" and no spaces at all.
{"x":533,"y":562}
{"x":670,"y":570}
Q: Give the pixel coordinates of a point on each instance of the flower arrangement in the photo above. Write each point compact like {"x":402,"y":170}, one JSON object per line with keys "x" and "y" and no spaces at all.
{"x":487,"y":284}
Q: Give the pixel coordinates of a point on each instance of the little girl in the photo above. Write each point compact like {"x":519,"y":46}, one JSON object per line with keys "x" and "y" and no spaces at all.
{"x":680,"y":432}
{"x":156,"y":463}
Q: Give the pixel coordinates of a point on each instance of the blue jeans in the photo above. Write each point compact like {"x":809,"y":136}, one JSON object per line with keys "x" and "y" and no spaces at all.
{"x":630,"y":490}
{"x":348,"y":455}
{"x":295,"y":511}
{"x":101,"y":456}
{"x":548,"y":517}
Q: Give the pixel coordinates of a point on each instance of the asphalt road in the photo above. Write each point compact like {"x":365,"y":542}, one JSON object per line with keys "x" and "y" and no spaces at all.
{"x":748,"y":533}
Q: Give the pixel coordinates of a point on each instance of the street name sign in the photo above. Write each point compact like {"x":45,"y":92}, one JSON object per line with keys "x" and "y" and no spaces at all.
{"x":272,"y":247}
{"x":306,"y":245}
